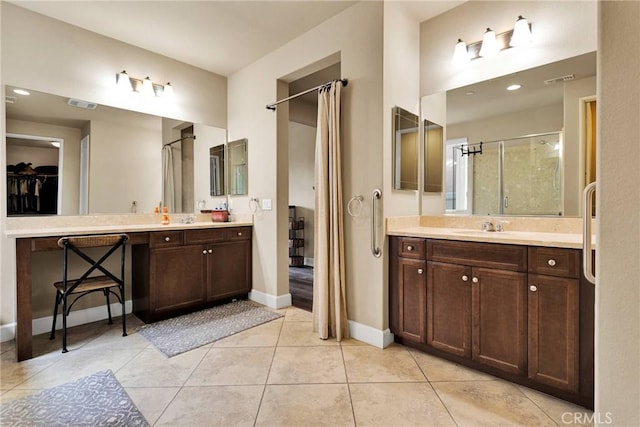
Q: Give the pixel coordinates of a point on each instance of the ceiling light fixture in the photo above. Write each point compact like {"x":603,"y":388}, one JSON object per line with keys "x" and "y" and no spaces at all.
{"x":146,"y":87}
{"x":493,"y":43}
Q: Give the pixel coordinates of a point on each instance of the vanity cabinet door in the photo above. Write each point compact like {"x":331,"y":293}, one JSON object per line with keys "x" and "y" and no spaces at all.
{"x":449,"y":308}
{"x":500,"y":319}
{"x":228,"y":269}
{"x":553,"y":331}
{"x":412,"y":291}
{"x":177,"y":276}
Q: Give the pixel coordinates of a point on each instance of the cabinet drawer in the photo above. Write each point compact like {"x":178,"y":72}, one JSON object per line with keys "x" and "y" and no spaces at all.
{"x":239,"y":233}
{"x":411,"y":247}
{"x":490,"y":255}
{"x":205,"y":235}
{"x":554,"y":261}
{"x":164,"y":239}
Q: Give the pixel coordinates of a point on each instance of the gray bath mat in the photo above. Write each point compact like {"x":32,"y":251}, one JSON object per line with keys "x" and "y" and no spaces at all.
{"x":96,"y":400}
{"x":184,"y":333}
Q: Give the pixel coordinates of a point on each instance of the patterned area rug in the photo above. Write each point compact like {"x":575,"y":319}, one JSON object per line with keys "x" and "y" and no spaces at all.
{"x":96,"y":400}
{"x":184,"y":333}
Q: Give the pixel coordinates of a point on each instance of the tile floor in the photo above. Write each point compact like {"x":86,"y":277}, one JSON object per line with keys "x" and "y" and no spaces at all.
{"x":281,"y":374}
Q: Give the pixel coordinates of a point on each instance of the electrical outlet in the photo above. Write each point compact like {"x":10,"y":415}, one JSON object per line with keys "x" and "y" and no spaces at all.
{"x":266,"y":204}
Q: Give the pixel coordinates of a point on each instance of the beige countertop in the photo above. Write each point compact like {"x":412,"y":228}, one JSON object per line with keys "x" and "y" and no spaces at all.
{"x":25,"y":227}
{"x":549,"y":232}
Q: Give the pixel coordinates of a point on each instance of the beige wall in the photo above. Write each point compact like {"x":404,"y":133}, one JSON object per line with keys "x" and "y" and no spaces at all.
{"x":139,"y":172}
{"x":76,"y":66}
{"x":618,"y":207}
{"x":356,"y":34}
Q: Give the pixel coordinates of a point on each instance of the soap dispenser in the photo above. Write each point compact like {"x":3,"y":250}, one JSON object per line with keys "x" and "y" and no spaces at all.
{"x":165,"y":216}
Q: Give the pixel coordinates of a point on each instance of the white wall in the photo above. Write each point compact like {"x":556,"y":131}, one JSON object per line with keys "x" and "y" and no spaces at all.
{"x":617,"y":332}
{"x":356,"y":35}
{"x":82,"y":65}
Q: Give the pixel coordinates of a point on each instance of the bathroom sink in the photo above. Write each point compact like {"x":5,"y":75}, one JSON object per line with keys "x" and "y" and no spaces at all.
{"x":483,"y":233}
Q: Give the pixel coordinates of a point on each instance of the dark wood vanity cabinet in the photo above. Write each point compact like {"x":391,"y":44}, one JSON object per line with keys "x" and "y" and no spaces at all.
{"x":521,"y":313}
{"x":187,"y":270}
{"x":554,"y":317}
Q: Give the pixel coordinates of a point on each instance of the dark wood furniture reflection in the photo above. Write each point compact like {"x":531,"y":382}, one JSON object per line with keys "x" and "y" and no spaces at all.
{"x":521,"y":313}
{"x":193,"y":269}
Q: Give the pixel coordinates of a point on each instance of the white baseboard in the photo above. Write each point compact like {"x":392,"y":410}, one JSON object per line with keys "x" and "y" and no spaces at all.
{"x":271,"y":301}
{"x":7,"y":332}
{"x":369,"y":335}
{"x":76,"y":317}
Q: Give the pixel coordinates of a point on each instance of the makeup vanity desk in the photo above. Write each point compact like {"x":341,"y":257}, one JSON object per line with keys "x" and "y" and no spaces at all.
{"x":215,"y":257}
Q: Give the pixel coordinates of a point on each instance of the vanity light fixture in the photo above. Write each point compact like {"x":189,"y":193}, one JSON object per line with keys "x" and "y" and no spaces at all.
{"x":489,"y":43}
{"x":21,"y":92}
{"x":55,"y":144}
{"x":145,"y":86}
{"x":493,"y":43}
{"x":514,"y":87}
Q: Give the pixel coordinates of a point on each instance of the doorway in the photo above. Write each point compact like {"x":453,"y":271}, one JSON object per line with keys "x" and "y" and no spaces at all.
{"x":303,"y":112}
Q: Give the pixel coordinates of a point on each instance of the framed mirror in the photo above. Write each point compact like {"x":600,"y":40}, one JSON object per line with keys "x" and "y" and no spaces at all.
{"x":406,"y":148}
{"x":433,"y":151}
{"x":537,"y":130}
{"x":238,"y":178}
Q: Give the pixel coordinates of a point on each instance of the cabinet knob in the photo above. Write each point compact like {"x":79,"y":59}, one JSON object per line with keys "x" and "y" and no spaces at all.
{"x":465,"y":278}
{"x":204,"y":251}
{"x":533,"y":288}
{"x":552,"y":262}
{"x":409,"y":248}
{"x":166,"y":239}
{"x":475,"y":280}
{"x":420,"y":271}
{"x":239,"y":233}
{"x":210,"y":251}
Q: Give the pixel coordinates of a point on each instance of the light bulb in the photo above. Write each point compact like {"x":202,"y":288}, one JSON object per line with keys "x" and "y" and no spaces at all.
{"x":521,"y":33}
{"x":167,"y":92}
{"x":460,"y":53}
{"x":147,"y":87}
{"x":489,"y":43}
{"x":122,"y":82}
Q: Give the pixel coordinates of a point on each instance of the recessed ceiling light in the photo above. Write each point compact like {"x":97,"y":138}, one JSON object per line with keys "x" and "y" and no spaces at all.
{"x":514,"y":87}
{"x":21,"y":92}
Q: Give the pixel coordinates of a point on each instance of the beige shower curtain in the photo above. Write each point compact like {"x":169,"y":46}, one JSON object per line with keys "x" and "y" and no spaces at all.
{"x":329,"y":290}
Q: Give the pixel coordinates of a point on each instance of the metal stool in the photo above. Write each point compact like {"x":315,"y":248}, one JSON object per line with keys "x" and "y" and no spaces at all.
{"x":87,"y":284}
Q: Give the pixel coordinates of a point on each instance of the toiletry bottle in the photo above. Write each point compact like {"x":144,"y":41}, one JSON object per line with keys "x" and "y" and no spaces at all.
{"x":165,"y":216}
{"x":156,"y":211}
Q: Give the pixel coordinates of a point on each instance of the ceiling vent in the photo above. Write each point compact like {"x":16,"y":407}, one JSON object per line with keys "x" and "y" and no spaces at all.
{"x":82,"y":104}
{"x":562,"y":79}
{"x":10,"y":99}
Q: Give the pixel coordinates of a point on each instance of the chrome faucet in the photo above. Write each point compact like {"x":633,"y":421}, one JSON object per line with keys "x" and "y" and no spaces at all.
{"x":488,"y":226}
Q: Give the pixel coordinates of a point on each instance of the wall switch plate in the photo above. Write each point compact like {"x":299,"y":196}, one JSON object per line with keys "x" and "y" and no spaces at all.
{"x":266,"y":204}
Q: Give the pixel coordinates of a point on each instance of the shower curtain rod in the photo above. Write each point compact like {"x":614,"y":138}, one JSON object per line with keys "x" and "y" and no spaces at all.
{"x":180,"y":139}
{"x":272,"y":106}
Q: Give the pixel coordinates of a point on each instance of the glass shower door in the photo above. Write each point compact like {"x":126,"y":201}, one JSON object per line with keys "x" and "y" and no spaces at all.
{"x":532,"y":175}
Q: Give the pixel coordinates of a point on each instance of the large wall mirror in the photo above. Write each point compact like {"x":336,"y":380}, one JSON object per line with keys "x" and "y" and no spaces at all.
{"x":537,"y":129}
{"x":108,"y":160}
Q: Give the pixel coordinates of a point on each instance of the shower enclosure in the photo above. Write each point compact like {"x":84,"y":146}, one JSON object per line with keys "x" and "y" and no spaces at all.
{"x":518,"y":176}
